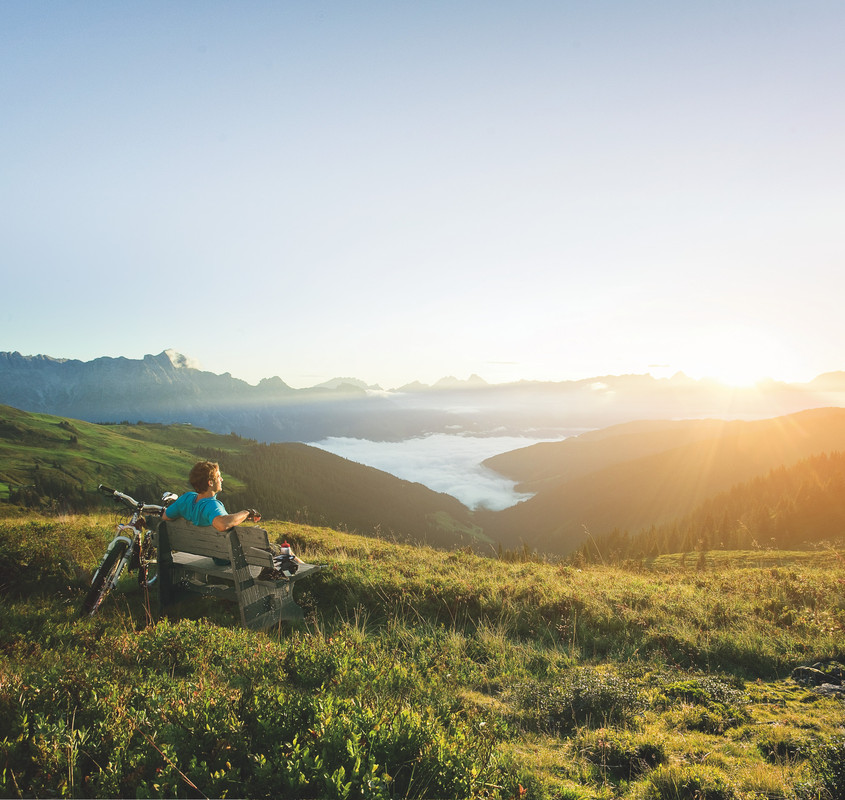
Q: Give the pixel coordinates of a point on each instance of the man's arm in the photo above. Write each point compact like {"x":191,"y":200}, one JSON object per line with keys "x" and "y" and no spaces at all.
{"x":226,"y":521}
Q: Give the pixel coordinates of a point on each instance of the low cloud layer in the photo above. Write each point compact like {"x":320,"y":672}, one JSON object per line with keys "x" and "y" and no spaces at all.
{"x":442,"y":462}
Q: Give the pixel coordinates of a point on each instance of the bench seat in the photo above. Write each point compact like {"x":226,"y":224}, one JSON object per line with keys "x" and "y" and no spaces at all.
{"x":186,"y":562}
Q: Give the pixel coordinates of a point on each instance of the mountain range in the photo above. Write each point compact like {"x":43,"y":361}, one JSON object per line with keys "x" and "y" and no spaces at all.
{"x":170,"y":388}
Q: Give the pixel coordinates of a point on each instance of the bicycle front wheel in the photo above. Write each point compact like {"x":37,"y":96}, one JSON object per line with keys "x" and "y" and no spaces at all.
{"x":106,"y":575}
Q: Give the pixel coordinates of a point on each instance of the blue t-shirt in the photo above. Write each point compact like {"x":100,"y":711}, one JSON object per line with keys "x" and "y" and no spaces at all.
{"x":199,"y":512}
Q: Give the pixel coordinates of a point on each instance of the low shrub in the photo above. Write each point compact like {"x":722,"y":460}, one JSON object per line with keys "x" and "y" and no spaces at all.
{"x":620,"y":755}
{"x":314,"y":662}
{"x":827,"y":764}
{"x":714,"y":720}
{"x":684,"y":782}
{"x":585,"y":696}
{"x":778,"y":743}
{"x":36,"y":557}
{"x":713,"y":703}
{"x":706,"y":689}
{"x":185,"y":708}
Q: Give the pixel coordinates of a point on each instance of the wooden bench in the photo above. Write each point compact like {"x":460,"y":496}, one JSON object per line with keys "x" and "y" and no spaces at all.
{"x":188,"y":562}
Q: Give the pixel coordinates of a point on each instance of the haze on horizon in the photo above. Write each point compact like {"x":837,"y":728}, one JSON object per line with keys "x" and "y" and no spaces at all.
{"x":394,"y":192}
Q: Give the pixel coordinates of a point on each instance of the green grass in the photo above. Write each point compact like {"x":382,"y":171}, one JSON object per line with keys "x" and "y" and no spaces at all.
{"x":421,"y":673}
{"x":72,"y":457}
{"x":445,"y":522}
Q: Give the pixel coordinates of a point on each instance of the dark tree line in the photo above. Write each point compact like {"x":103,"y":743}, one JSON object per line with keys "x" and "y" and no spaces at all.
{"x":54,"y":491}
{"x":789,"y":508}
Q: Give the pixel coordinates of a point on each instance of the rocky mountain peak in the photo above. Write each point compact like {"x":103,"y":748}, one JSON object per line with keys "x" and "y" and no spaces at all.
{"x":179,"y":361}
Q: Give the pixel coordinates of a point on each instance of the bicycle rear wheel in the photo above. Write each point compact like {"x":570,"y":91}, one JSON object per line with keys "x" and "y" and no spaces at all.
{"x":106,"y":574}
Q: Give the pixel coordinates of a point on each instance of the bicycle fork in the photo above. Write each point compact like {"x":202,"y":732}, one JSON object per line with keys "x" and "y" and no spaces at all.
{"x":127,"y":554}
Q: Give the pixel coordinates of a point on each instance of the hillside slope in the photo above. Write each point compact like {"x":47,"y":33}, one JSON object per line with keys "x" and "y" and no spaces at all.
{"x":56,"y":462}
{"x":541,"y":464}
{"x":602,"y":485}
{"x":421,"y":674}
{"x":625,"y":478}
{"x":298,"y":482}
{"x":798,"y":506}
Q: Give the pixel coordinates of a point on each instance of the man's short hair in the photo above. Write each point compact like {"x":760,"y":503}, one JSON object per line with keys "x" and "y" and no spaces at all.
{"x":201,"y":475}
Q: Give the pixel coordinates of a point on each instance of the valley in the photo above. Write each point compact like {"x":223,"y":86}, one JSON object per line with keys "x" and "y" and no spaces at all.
{"x":621,"y":482}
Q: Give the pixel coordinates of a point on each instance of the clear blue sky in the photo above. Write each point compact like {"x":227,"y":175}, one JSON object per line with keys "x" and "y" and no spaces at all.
{"x":398,"y":191}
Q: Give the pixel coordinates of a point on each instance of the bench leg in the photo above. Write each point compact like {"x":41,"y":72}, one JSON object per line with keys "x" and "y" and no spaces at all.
{"x":166,"y":590}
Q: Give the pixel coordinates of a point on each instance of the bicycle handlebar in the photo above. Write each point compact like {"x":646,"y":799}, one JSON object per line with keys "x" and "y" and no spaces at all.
{"x":129,"y":501}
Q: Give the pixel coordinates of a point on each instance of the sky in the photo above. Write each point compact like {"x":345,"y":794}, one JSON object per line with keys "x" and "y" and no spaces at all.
{"x":402,"y":191}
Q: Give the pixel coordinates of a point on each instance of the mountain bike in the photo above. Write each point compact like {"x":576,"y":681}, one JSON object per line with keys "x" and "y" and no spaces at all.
{"x":132,"y":547}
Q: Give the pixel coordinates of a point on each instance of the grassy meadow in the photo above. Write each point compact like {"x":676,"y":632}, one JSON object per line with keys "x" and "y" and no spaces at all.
{"x":422,"y":673}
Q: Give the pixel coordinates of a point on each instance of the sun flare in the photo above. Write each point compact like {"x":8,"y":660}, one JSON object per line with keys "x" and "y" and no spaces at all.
{"x":738,"y":377}
{"x":739,"y":357}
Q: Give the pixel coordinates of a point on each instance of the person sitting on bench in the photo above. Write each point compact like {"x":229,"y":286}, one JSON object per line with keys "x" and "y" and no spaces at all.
{"x":201,"y":507}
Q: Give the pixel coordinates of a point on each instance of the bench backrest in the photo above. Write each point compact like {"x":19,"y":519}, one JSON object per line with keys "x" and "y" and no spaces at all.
{"x":206,"y":541}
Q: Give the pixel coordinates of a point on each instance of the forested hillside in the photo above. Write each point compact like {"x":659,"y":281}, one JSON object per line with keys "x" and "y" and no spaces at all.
{"x":549,"y":463}
{"x":618,"y":480}
{"x":787,"y":508}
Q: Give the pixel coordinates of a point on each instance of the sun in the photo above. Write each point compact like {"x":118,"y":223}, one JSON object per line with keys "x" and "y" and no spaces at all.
{"x":737,"y":376}
{"x":738,"y":356}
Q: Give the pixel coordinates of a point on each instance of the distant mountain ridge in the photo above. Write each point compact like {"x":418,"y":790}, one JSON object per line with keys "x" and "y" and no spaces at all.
{"x":165,"y":388}
{"x":171,"y":388}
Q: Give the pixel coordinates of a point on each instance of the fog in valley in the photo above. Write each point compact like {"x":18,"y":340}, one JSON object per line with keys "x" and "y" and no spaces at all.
{"x":442,"y":462}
